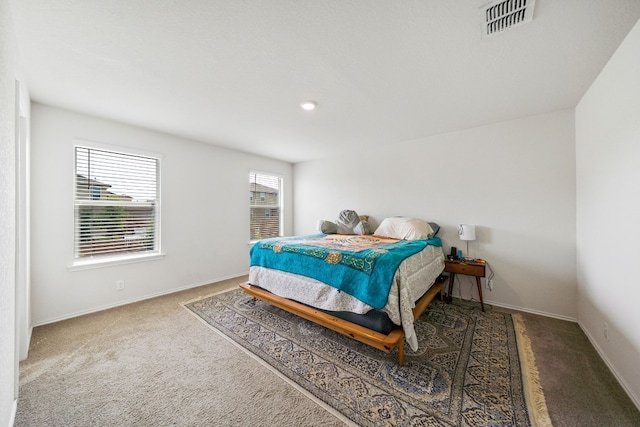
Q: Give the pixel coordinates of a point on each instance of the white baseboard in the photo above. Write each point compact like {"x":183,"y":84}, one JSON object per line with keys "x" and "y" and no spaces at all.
{"x":528,"y":310}
{"x":137,"y":299}
{"x":623,"y":384}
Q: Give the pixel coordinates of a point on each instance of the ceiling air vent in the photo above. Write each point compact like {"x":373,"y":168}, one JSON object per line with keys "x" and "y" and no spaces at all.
{"x":502,"y":15}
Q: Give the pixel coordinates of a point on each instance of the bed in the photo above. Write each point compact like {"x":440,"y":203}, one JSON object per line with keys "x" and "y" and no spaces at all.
{"x":368,"y":287}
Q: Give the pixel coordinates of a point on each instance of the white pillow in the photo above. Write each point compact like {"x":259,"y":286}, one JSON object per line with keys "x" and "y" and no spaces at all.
{"x":404,"y":228}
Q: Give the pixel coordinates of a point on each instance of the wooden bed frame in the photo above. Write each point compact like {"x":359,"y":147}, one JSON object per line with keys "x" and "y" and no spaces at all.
{"x":367,"y":336}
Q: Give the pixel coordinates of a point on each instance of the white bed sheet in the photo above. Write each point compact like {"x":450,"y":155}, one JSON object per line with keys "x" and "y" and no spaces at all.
{"x":414,"y":277}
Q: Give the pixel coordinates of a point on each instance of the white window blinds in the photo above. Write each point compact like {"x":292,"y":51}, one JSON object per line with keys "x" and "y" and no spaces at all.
{"x":116,"y":203}
{"x":265,"y":206}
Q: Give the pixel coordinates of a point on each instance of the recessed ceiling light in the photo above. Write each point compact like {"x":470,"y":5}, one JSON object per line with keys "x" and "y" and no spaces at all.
{"x":309,"y":105}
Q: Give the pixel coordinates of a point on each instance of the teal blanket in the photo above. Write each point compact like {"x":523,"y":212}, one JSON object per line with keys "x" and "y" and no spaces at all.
{"x":362,"y":266}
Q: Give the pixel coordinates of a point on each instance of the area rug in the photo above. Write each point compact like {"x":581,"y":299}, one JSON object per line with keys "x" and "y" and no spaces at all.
{"x":466,"y":372}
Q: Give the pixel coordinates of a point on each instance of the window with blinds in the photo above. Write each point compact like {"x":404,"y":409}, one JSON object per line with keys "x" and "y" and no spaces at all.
{"x":265,"y":198}
{"x":116,"y":204}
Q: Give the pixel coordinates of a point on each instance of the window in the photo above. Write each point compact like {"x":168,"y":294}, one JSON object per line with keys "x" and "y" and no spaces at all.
{"x":265,"y":195}
{"x":116,"y":205}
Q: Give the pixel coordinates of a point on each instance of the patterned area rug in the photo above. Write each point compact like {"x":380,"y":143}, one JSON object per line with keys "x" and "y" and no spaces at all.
{"x":466,"y":372}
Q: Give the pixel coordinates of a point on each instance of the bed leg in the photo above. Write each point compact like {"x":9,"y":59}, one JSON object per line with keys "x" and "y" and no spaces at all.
{"x":401,"y":352}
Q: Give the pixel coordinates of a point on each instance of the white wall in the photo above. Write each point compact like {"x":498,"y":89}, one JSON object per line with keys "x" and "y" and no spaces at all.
{"x":205,"y":215}
{"x":514,"y":180}
{"x":8,"y":76}
{"x":608,"y":211}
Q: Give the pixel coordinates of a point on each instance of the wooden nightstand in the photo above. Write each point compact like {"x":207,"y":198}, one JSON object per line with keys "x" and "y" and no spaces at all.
{"x":468,"y":268}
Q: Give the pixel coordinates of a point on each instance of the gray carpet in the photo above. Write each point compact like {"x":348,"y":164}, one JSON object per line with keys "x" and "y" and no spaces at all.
{"x":580,"y":389}
{"x":152,"y":363}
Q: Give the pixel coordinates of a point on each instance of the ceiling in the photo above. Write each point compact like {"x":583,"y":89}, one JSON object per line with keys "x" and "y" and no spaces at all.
{"x":233,"y":72}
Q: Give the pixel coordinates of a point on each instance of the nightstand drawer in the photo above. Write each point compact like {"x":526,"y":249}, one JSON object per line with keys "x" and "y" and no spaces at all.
{"x":461,"y":268}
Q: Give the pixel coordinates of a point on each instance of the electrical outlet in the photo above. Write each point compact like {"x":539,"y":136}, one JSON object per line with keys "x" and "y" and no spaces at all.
{"x":490,"y":284}
{"x":605,"y":330}
{"x":119,"y":285}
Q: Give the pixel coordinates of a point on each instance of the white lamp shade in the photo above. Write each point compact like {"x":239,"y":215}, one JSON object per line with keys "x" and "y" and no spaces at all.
{"x":467,"y":232}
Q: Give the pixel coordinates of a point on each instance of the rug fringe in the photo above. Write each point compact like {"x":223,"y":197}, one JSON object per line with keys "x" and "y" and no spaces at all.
{"x":534,"y":395}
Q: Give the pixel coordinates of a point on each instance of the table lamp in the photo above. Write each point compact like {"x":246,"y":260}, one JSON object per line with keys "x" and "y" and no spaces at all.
{"x":467,"y":232}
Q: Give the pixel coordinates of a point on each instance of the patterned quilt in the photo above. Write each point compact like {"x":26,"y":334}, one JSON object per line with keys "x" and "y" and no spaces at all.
{"x":362,"y":266}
